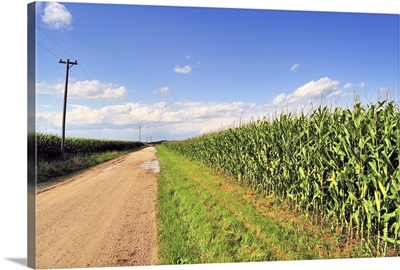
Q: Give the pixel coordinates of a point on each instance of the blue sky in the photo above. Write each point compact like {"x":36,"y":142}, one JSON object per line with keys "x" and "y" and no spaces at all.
{"x":181,"y":71}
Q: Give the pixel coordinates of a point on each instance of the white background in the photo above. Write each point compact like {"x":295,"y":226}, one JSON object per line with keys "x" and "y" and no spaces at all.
{"x":13,"y":131}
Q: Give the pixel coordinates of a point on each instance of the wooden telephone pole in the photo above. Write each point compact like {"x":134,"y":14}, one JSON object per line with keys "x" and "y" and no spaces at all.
{"x":68,"y":66}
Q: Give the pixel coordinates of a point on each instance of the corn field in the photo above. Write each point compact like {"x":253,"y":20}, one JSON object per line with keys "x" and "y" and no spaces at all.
{"x":48,"y":146}
{"x":340,"y":167}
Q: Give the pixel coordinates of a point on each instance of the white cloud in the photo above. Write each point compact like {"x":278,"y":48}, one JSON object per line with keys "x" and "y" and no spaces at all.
{"x":279,"y":99}
{"x":167,"y":120}
{"x":56,"y":16}
{"x":183,"y":70}
{"x":362,"y":84}
{"x":163,"y":90}
{"x":294,"y":67}
{"x":323,"y":88}
{"x":348,"y":86}
{"x":84,"y":90}
{"x":171,"y":121}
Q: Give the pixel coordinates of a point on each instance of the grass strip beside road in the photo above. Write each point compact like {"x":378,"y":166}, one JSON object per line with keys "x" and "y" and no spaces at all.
{"x":48,"y":170}
{"x":204,"y":217}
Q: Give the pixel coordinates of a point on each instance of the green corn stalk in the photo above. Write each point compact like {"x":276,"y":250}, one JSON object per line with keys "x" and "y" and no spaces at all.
{"x":340,"y":166}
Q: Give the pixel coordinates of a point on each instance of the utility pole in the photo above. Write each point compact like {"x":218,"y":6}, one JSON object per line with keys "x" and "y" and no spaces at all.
{"x":68,"y":66}
{"x":140,"y":131}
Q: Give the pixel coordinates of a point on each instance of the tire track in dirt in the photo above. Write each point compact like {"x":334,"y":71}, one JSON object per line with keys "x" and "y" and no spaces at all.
{"x":103,"y":217}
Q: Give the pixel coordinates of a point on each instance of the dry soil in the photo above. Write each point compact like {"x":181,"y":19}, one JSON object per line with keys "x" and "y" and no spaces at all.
{"x":102,"y":217}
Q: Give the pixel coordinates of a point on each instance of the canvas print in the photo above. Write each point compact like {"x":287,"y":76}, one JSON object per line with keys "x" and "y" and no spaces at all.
{"x":165,"y":135}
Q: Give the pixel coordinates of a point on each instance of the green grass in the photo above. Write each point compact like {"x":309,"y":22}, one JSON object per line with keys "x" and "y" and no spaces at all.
{"x":204,"y":217}
{"x":48,"y":170}
{"x":80,"y":154}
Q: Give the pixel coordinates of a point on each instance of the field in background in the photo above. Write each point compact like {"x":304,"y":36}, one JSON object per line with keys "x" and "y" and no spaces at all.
{"x":80,"y":153}
{"x":339,"y":167}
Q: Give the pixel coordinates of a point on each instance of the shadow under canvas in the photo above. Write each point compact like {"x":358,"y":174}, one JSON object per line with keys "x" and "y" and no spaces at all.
{"x":20,"y":261}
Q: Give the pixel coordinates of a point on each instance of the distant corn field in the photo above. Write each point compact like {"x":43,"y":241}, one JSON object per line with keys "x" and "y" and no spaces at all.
{"x":49,"y":146}
{"x":339,"y":167}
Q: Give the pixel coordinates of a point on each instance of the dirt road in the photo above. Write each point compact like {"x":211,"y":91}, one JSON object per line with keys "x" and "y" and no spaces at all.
{"x":103,"y":217}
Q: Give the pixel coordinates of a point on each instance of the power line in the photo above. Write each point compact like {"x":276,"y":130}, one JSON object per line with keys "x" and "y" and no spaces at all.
{"x":48,"y":50}
{"x":79,"y":79}
{"x":55,"y":42}
{"x":84,"y":71}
